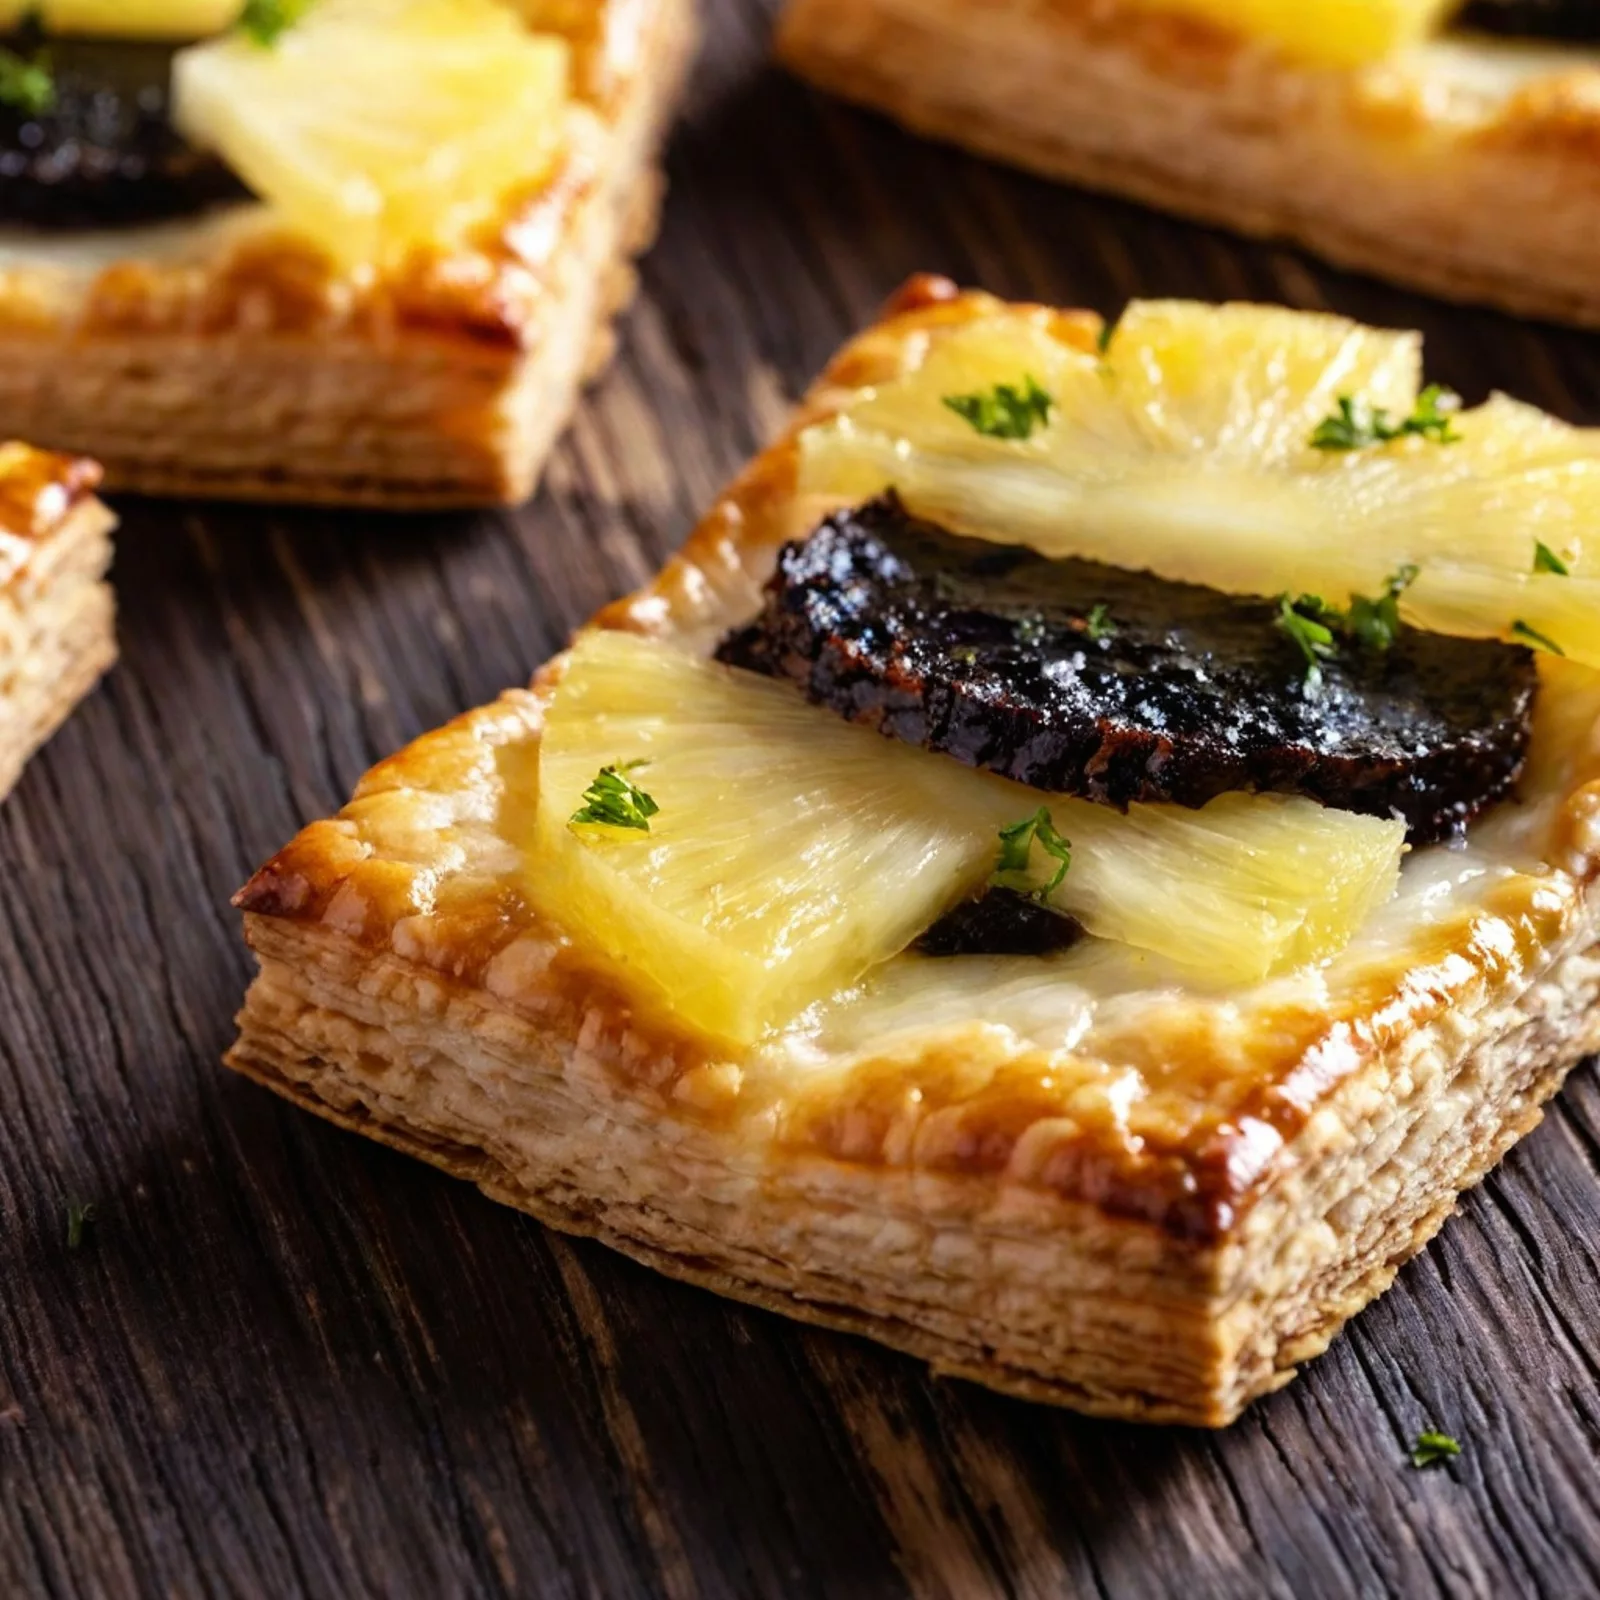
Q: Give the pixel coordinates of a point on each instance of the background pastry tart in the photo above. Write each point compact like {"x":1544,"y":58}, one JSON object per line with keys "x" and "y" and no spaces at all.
{"x":1084,"y":855}
{"x":329,"y":250}
{"x":57,"y":618}
{"x":1448,"y":147}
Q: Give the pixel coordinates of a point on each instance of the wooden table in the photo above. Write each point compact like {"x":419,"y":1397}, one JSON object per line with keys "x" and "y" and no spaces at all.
{"x":285,"y":1361}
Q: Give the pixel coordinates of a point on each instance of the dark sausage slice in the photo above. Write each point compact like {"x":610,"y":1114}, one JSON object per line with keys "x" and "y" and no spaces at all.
{"x":1000,"y":922}
{"x":1534,"y":19}
{"x":1090,"y":680}
{"x":105,"y":152}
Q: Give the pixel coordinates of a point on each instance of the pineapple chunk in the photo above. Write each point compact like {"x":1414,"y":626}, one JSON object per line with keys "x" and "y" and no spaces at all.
{"x":1332,"y":33}
{"x":1244,"y":887}
{"x":376,"y":126}
{"x":793,"y":851}
{"x":125,"y":19}
{"x":1187,"y":451}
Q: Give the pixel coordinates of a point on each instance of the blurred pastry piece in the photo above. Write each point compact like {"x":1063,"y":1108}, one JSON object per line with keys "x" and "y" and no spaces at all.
{"x":365,"y":252}
{"x":57,"y":632}
{"x":1395,"y":137}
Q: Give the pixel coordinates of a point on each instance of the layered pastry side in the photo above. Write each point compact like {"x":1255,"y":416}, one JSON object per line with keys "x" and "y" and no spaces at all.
{"x":57,"y":623}
{"x":1444,"y":145}
{"x":350,"y":251}
{"x":1041,"y":880}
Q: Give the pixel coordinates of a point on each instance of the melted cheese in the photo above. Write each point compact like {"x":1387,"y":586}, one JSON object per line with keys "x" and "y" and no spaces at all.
{"x":1482,"y":73}
{"x":84,"y":252}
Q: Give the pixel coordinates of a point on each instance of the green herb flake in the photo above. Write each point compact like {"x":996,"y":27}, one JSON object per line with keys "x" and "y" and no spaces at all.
{"x":1358,"y":423}
{"x":1005,"y":411}
{"x":26,"y":86}
{"x":1105,"y":335}
{"x":266,"y":21}
{"x":613,"y":800}
{"x":1546,"y":560}
{"x":1309,"y":622}
{"x":1099,"y":624}
{"x":1017,"y":840}
{"x":1373,"y":622}
{"x":79,"y":1219}
{"x":1028,"y":632}
{"x":1433,"y":1450}
{"x":1376,"y":623}
{"x":1539,"y":641}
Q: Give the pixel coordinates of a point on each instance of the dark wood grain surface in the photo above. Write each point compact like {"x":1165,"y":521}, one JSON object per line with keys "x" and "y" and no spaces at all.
{"x":284,"y":1361}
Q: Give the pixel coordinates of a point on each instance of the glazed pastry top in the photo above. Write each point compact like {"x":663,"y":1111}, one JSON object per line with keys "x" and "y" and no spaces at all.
{"x":38,"y":488}
{"x":1100,"y":1071}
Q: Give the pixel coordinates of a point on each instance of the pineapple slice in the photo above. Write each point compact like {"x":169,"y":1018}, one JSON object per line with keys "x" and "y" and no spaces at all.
{"x":125,"y":19}
{"x":791,"y":851}
{"x":1244,"y":887}
{"x":1332,"y":33}
{"x":1187,"y":450}
{"x":375,"y":126}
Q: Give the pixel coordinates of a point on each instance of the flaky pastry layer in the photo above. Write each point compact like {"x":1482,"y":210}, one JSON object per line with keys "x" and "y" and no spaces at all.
{"x":233,"y":360}
{"x":943,"y":1155}
{"x":1464,"y":168}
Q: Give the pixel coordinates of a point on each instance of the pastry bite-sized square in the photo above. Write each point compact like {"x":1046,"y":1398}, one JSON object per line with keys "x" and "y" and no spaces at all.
{"x":1085,"y":854}
{"x":1444,"y":144}
{"x":57,"y":616}
{"x":361,"y":251}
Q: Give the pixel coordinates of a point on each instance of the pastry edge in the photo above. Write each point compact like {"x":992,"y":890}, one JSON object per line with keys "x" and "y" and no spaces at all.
{"x":1208,"y":127}
{"x":1084,"y":1297}
{"x":249,"y":379}
{"x":57,"y":613}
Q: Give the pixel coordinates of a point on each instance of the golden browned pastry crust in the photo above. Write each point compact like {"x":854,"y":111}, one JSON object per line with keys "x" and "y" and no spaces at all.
{"x":238,"y":362}
{"x":1464,"y":168}
{"x":56,"y":615}
{"x":1091,"y":1181}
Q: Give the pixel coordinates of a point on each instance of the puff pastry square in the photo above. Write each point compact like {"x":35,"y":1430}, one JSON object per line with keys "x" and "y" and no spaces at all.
{"x":1463,"y":167}
{"x":57,"y":621}
{"x":1074,"y":1182}
{"x":230,"y":360}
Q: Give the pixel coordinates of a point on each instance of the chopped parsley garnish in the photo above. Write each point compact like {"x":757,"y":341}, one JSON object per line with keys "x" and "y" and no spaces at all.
{"x":79,"y":1218}
{"x":266,"y":21}
{"x":614,"y":800}
{"x":1099,"y":624}
{"x":26,"y":86}
{"x":1546,"y":560}
{"x":1539,"y":641}
{"x":1310,"y":622}
{"x":1104,"y":337}
{"x":1376,"y":623}
{"x":1016,"y":849}
{"x":1005,"y":411}
{"x":1317,"y":628}
{"x":1433,"y":1450}
{"x":1358,"y":423}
